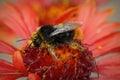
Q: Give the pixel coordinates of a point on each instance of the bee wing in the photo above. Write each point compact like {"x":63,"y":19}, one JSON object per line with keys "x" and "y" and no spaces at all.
{"x":60,"y":28}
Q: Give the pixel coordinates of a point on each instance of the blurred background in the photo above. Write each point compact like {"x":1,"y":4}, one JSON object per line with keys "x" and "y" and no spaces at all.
{"x":115,"y":4}
{"x":115,"y":17}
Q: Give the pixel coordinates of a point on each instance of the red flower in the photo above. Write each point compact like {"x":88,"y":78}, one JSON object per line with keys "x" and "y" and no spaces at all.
{"x":47,"y":9}
{"x":101,"y":36}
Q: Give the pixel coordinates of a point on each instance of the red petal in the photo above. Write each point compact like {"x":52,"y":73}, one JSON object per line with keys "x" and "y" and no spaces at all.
{"x":6,"y":48}
{"x":94,"y":23}
{"x":66,"y":16}
{"x":86,"y":11}
{"x":10,"y":76}
{"x":106,"y":78}
{"x":110,"y":66}
{"x":18,"y":62}
{"x":6,"y":67}
{"x":14,"y":20}
{"x":25,"y":24}
{"x":101,"y":2}
{"x":29,"y":17}
{"x":106,"y":44}
{"x":103,"y":30}
{"x":33,"y":76}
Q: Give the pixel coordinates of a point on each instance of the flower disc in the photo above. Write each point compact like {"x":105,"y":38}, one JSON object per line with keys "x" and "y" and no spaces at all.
{"x":71,"y":64}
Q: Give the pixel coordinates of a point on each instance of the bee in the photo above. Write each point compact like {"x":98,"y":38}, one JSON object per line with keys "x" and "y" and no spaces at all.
{"x":51,"y":36}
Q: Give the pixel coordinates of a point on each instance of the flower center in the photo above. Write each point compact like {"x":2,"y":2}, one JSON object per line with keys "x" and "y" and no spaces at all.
{"x":71,"y":64}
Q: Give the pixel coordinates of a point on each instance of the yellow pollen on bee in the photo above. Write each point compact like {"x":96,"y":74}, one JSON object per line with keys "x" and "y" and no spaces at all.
{"x":74,"y":46}
{"x":78,"y":34}
{"x":29,"y":41}
{"x":100,"y":47}
{"x":34,"y":33}
{"x":48,"y":45}
{"x":45,"y":45}
{"x":61,"y":25}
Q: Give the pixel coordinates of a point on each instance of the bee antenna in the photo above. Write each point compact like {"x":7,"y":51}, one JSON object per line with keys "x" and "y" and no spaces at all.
{"x":22,"y":39}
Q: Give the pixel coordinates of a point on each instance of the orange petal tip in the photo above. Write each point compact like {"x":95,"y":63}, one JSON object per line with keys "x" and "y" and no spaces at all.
{"x":18,"y":62}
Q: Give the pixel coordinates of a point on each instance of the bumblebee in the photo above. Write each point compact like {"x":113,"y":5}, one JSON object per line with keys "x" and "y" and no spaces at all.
{"x":51,"y":36}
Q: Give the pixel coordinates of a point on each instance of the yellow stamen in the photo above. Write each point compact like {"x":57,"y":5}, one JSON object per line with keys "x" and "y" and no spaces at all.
{"x":28,"y":68}
{"x":76,"y":46}
{"x":100,"y":47}
{"x":44,"y":75}
{"x":44,"y":68}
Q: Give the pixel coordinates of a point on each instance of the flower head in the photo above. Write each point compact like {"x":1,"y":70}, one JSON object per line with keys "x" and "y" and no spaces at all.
{"x":99,"y":38}
{"x":50,"y":9}
{"x":46,"y":11}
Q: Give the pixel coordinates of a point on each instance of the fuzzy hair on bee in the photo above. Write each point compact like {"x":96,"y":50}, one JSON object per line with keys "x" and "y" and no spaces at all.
{"x":51,"y":36}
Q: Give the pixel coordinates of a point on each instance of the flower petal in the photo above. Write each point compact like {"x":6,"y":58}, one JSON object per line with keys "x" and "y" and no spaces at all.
{"x":66,"y":16}
{"x":6,"y":67}
{"x":18,"y":62}
{"x":30,"y":20}
{"x":106,"y":78}
{"x":101,"y":2}
{"x":20,"y":23}
{"x":14,"y":21}
{"x":109,"y":67}
{"x":103,"y":30}
{"x":6,"y":48}
{"x":107,"y":44}
{"x":33,"y":76}
{"x":10,"y":76}
{"x":86,"y":11}
{"x":95,"y":22}
{"x":5,"y":31}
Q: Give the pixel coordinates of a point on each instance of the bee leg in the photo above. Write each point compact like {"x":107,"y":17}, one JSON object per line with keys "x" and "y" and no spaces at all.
{"x":52,"y":53}
{"x":75,"y":45}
